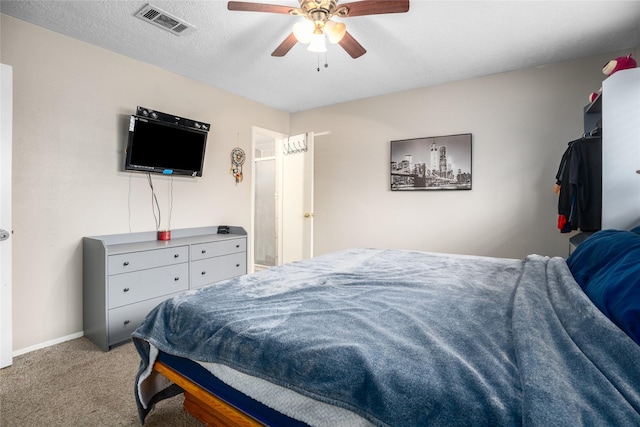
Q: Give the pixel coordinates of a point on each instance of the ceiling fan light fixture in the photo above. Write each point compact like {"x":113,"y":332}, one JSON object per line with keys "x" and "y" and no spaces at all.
{"x":319,"y":14}
{"x":303,"y":31}
{"x":317,"y":43}
{"x":335,"y":31}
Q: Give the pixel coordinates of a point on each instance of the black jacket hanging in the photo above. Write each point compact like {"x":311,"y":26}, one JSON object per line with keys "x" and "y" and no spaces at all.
{"x":580,"y":179}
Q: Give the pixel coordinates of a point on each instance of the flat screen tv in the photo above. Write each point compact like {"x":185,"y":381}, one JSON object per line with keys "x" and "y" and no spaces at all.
{"x":156,"y":146}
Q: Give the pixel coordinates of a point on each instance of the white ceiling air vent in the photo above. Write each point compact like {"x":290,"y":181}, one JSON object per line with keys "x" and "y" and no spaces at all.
{"x":160,"y":18}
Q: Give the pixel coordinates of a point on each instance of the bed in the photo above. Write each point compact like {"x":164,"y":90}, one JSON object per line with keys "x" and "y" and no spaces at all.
{"x":403,"y":338}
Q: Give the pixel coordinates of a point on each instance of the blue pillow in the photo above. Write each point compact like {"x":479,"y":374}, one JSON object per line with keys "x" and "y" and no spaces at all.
{"x":607,"y":267}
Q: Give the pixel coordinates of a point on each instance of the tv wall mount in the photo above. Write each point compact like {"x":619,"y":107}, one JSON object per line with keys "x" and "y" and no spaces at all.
{"x":170,"y":118}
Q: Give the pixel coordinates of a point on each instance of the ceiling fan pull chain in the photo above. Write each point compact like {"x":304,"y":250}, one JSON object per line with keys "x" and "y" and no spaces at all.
{"x":326,"y":62}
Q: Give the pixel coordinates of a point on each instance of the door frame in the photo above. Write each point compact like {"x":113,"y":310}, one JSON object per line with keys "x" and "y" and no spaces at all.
{"x":6,"y":137}
{"x":258,"y":135}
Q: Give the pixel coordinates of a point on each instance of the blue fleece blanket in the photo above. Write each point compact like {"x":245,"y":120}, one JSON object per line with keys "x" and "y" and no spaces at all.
{"x":413,"y":339}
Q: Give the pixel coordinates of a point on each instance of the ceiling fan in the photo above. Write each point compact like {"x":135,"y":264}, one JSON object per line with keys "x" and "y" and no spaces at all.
{"x":318,"y":14}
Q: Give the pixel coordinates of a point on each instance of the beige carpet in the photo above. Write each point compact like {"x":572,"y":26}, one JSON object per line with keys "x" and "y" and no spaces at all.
{"x":76,"y":384}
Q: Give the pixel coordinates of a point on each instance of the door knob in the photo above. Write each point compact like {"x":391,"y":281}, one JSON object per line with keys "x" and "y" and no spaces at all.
{"x":308,"y":214}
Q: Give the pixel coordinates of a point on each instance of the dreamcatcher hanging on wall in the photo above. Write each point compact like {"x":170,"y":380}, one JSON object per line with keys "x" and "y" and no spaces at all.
{"x":237,"y":160}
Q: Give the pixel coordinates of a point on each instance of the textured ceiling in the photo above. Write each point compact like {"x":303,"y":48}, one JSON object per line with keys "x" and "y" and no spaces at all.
{"x":435,"y":42}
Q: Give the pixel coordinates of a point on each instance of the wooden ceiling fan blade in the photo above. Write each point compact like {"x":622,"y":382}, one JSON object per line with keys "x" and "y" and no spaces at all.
{"x":376,"y":7}
{"x":258,"y":7}
{"x":285,"y":46}
{"x":352,"y":46}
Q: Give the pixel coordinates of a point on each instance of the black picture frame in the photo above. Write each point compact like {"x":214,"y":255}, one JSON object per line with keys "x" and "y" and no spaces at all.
{"x":431,"y":163}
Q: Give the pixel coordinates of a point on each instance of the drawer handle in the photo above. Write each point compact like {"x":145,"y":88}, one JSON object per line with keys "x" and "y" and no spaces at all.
{"x":125,"y":263}
{"x":126,"y":322}
{"x":203,"y":273}
{"x":176,"y":255}
{"x":204,"y":251}
{"x":238,"y":245}
{"x":176,"y":279}
{"x":125,"y":290}
{"x":237,"y":265}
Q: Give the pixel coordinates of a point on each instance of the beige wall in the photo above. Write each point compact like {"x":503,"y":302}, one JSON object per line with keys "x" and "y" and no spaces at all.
{"x":72,"y":100}
{"x":71,"y":107}
{"x":521,"y":123}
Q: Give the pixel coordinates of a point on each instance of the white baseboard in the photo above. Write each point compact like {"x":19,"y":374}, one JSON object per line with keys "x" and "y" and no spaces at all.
{"x":47,"y":344}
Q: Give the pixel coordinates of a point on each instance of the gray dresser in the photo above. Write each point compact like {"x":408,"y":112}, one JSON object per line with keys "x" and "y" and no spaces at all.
{"x":126,"y":275}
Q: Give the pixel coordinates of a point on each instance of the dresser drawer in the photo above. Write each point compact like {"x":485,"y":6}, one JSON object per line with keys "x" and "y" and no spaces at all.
{"x":222,"y":247}
{"x":134,"y":261}
{"x":146,"y":284}
{"x":211,"y":270}
{"x":126,"y":319}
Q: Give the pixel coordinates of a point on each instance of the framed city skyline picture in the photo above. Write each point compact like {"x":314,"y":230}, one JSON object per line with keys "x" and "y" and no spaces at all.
{"x":431,"y":163}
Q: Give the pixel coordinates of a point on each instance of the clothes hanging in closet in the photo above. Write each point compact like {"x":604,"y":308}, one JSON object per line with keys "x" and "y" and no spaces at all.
{"x":579,"y":178}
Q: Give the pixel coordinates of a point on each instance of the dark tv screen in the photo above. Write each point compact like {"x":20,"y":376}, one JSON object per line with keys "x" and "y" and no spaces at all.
{"x":159,"y":147}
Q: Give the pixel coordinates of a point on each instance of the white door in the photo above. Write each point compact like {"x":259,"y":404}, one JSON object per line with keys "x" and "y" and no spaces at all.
{"x":296,"y":175}
{"x":6,"y":114}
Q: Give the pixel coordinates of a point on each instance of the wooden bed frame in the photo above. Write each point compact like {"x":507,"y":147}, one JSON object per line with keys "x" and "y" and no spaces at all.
{"x":203,"y":405}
